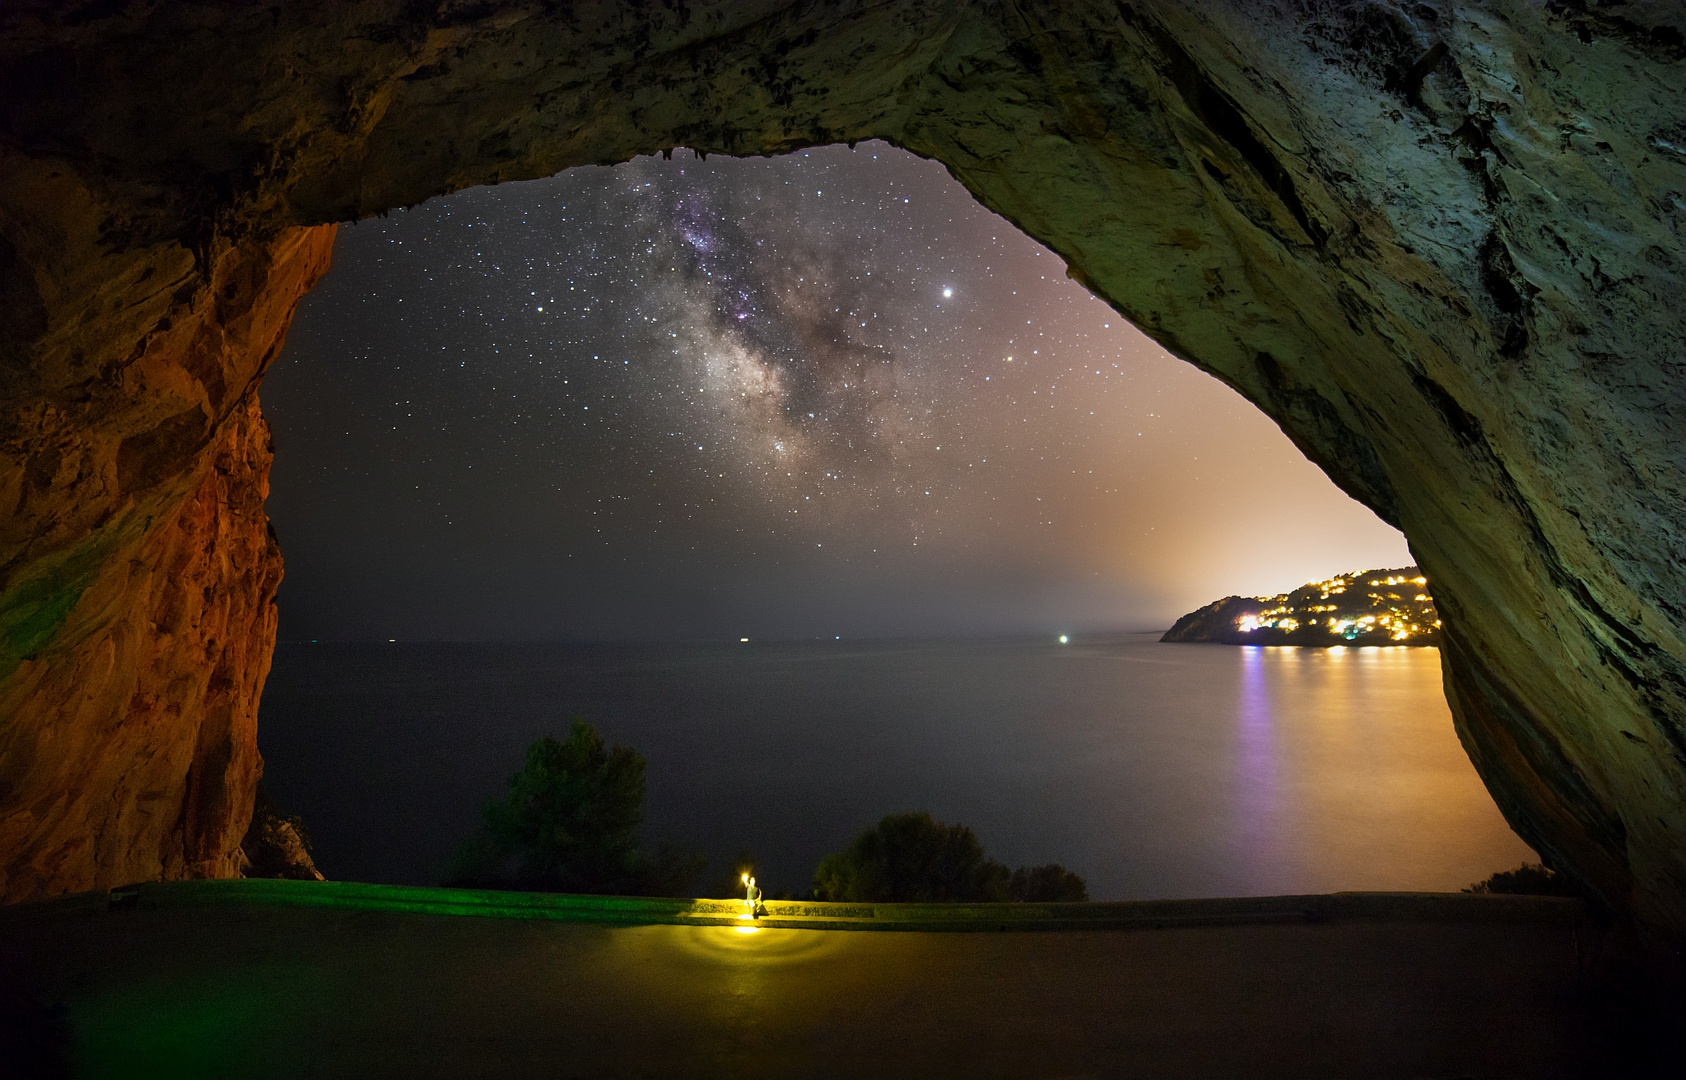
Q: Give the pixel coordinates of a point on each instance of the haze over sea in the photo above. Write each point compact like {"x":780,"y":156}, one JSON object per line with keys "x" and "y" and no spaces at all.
{"x":1154,"y":770}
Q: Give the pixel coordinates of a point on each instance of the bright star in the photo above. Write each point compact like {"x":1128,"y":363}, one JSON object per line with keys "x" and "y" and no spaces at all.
{"x":948,"y":292}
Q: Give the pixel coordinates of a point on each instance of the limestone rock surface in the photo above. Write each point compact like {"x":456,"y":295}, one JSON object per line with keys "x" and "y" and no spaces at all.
{"x":276,"y":845}
{"x":137,"y":615}
{"x":1440,"y":243}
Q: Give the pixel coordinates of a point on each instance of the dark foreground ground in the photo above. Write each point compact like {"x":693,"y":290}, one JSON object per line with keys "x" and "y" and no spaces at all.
{"x":295,"y":979}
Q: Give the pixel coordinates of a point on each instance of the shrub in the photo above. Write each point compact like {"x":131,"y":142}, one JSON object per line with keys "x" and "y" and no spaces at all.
{"x":671,"y":871}
{"x":1529,"y":879}
{"x":1051,"y":884}
{"x":913,"y":858}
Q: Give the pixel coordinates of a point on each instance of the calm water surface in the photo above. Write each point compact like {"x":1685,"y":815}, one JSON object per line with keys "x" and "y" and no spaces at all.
{"x":1154,"y":770}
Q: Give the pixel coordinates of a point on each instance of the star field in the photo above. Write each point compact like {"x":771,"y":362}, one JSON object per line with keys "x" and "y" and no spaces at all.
{"x":814,"y":395}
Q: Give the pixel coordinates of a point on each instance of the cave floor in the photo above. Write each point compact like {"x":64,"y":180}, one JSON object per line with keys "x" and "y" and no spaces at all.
{"x":298,"y":979}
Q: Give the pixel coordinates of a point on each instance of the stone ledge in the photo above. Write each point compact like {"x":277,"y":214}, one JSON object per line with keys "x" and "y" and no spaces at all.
{"x":810,"y":915}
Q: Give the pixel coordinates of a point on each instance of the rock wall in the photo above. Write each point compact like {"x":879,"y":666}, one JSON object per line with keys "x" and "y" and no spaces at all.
{"x":1439,"y":243}
{"x":137,"y":611}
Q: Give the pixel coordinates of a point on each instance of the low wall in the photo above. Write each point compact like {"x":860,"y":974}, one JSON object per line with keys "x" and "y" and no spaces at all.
{"x":809,"y":915}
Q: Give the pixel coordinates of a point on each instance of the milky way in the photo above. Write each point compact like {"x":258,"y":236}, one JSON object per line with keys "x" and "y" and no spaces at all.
{"x":817,"y":395}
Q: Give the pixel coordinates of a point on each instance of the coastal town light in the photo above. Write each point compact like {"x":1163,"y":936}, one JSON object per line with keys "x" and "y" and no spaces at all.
{"x":1340,"y":607}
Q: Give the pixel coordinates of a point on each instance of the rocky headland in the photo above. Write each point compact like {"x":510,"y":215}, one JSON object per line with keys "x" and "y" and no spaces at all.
{"x":1370,"y":607}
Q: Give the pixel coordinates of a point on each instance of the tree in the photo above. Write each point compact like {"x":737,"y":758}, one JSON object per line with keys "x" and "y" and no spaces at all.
{"x":913,"y":858}
{"x":570,"y":824}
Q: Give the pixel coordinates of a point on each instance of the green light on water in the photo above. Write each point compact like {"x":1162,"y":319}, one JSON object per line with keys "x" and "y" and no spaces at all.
{"x":187,"y":1026}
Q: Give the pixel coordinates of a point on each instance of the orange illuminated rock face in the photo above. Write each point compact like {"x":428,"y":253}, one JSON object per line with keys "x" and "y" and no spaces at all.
{"x":1440,"y":245}
{"x":135,"y":646}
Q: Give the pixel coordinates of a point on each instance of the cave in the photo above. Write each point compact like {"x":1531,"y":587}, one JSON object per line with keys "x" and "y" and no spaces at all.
{"x":1438,"y":244}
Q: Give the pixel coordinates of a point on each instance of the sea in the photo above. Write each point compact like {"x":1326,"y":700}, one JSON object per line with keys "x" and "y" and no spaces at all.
{"x":1153,"y":770}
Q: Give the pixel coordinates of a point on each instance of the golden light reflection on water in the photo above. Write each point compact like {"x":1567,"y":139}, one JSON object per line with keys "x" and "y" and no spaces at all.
{"x":742,"y":971}
{"x":762,"y":945}
{"x":1356,"y":784}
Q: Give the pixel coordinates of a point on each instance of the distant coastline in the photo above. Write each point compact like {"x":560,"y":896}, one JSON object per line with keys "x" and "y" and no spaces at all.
{"x":1371,"y":607}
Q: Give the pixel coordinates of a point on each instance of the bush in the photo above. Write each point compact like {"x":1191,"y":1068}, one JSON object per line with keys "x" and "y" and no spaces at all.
{"x":570,"y":824}
{"x":671,"y":871}
{"x":913,"y":858}
{"x":1051,"y":884}
{"x":1529,"y":879}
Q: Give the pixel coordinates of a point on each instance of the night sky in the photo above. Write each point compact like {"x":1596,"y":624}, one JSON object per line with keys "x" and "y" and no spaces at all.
{"x":820,"y":395}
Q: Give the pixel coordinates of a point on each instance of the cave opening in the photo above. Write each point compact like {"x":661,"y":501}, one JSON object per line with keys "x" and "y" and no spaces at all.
{"x":542,"y":436}
{"x":1417,"y":243}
